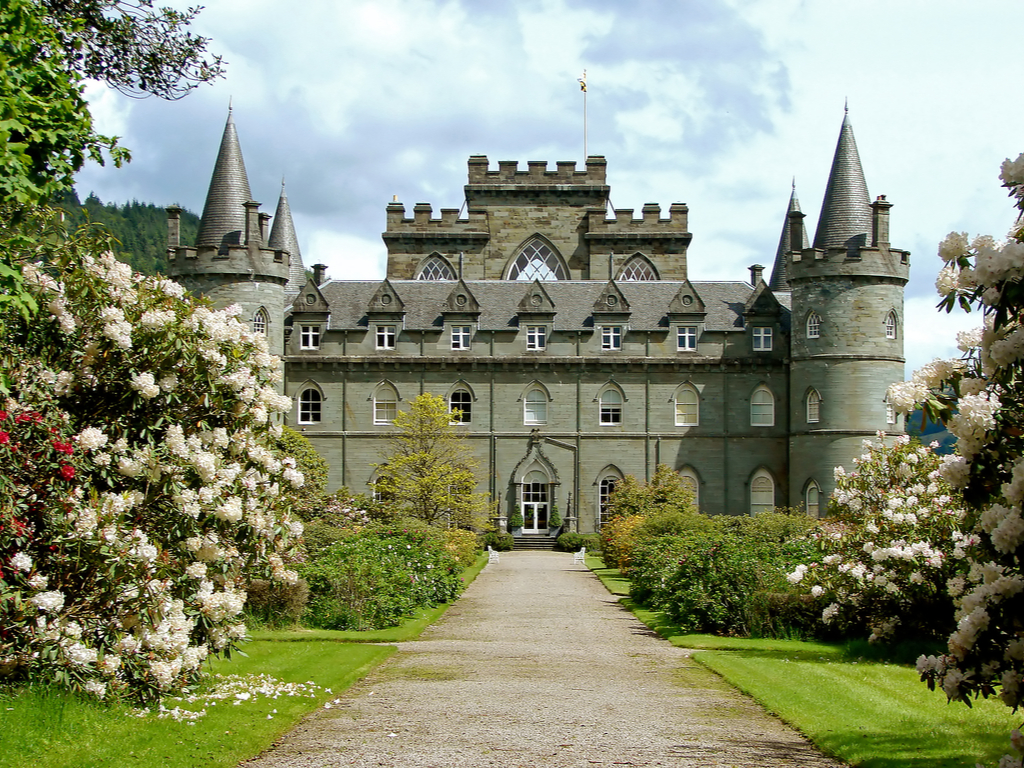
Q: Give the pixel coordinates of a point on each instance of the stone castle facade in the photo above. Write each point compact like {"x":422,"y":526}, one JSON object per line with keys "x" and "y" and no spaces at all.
{"x":571,"y":341}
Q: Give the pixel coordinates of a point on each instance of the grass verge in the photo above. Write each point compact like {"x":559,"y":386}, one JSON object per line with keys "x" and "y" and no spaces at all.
{"x":51,"y":728}
{"x":867,"y":713}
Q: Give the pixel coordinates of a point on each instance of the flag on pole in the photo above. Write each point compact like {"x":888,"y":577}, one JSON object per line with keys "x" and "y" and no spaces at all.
{"x":583,"y":81}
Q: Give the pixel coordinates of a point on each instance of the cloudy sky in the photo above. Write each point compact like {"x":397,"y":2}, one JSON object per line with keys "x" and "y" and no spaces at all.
{"x":719,"y":104}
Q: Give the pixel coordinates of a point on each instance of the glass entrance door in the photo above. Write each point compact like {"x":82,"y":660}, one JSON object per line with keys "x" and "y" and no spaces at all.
{"x":535,"y":507}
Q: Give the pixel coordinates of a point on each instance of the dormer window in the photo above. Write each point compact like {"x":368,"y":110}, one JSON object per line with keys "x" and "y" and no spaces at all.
{"x":762,"y":336}
{"x":536,"y":337}
{"x":309,"y":337}
{"x":686,"y":338}
{"x":460,"y":336}
{"x":386,"y":335}
{"x":611,"y":337}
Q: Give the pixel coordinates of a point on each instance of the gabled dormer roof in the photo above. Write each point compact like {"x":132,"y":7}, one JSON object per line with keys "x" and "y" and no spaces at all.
{"x":310,"y":299}
{"x":223,"y":222}
{"x":611,"y":300}
{"x":461,"y":301}
{"x":845,"y":220}
{"x":780,"y":271}
{"x":386,"y":300}
{"x":686,"y":302}
{"x":536,"y":300}
{"x":762,"y":302}
{"x":282,"y":238}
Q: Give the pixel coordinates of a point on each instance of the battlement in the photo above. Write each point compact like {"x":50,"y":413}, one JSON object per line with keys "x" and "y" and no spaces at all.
{"x":423,"y":221}
{"x":257,"y":264}
{"x":537,"y":173}
{"x":651,"y":221}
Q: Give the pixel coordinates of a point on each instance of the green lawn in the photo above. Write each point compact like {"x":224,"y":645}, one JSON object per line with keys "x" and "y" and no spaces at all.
{"x":53,"y":729}
{"x":866,"y":712}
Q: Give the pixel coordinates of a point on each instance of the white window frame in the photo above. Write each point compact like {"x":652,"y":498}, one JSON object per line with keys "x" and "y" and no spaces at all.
{"x":611,"y":337}
{"x":813,"y":326}
{"x":536,"y":337}
{"x":609,"y":409}
{"x":261,"y":322}
{"x":686,"y":338}
{"x":890,"y":325}
{"x":385,"y":336}
{"x":385,"y":406}
{"x":309,"y":336}
{"x":762,"y":411}
{"x":532,"y":414}
{"x":310,"y":406}
{"x":890,"y":413}
{"x":605,"y":490}
{"x":762,"y":493}
{"x":461,"y":336}
{"x":813,"y":407}
{"x":465,"y":408}
{"x":761,"y":336}
{"x":687,"y":413}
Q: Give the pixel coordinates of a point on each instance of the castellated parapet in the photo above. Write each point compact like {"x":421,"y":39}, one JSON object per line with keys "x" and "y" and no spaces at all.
{"x":537,"y":173}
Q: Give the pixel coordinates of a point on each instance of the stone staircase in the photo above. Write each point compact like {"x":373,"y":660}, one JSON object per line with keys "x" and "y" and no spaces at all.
{"x":539,"y":542}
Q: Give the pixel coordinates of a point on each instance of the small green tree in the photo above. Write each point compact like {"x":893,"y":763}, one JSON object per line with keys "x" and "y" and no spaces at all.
{"x":427,"y":470}
{"x":665,"y":492}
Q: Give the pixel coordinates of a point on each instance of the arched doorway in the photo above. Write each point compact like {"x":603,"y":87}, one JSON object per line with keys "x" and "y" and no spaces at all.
{"x":535,"y":501}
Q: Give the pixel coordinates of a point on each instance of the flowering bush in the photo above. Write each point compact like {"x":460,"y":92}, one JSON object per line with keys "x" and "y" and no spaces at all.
{"x":979,"y":399}
{"x":375,"y":576}
{"x":891,"y":557}
{"x":139,"y":489}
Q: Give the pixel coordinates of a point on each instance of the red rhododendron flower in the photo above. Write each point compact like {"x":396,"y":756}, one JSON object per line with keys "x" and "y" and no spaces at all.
{"x":3,"y":415}
{"x":67,"y":472}
{"x":4,"y":438}
{"x":60,"y":447}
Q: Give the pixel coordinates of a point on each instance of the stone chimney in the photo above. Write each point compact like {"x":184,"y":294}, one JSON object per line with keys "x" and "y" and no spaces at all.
{"x":319,"y":271}
{"x":756,"y":271}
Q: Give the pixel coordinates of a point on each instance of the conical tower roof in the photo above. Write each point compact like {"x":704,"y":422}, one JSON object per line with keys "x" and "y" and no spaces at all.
{"x":282,"y":237}
{"x":780,"y":272}
{"x":223,"y":220}
{"x":845,"y":219}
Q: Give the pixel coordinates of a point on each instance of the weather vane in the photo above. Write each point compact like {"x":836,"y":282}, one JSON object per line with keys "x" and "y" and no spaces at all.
{"x":583,"y":87}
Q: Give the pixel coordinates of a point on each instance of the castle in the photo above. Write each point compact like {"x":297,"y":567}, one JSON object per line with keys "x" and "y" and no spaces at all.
{"x":572,"y":343}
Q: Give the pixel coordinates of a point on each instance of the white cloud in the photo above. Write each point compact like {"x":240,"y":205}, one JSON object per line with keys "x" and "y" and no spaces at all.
{"x":931,"y":333}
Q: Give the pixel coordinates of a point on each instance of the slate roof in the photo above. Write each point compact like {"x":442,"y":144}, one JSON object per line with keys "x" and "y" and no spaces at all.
{"x":223,"y":221}
{"x":282,"y":237}
{"x":845,"y":219}
{"x":780,"y":272}
{"x":573,"y":300}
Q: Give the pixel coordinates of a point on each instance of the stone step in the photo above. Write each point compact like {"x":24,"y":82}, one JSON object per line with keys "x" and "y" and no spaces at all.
{"x":536,"y":542}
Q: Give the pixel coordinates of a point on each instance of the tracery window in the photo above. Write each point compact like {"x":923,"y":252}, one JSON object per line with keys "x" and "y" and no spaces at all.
{"x":436,"y":268}
{"x":260,"y":321}
{"x":813,"y":326}
{"x":537,"y":262}
{"x":890,"y":325}
{"x":637,"y":268}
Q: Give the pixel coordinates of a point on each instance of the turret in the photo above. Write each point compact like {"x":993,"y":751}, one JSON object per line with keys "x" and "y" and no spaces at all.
{"x":283,"y":238}
{"x":231,"y":262}
{"x":780,"y":271}
{"x":847,"y":326}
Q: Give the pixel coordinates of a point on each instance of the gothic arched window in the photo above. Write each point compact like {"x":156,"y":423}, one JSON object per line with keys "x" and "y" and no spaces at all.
{"x":537,"y":262}
{"x":890,"y":325}
{"x":813,"y":407}
{"x":637,"y":268}
{"x":260,"y":321}
{"x":462,"y":401}
{"x":607,"y":486}
{"x":762,"y":492}
{"x":435,"y":268}
{"x":812,"y":498}
{"x":310,"y":406}
{"x":535,"y":407}
{"x":687,"y":407}
{"x":762,"y":407}
{"x":610,"y":407}
{"x":385,"y":404}
{"x":813,"y":325}
{"x":689,"y":477}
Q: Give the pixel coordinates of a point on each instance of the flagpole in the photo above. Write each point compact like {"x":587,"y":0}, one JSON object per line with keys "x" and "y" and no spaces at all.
{"x":583,"y":87}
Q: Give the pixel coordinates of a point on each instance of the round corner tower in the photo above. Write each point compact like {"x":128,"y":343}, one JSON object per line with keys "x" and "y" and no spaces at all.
{"x":848,"y":325}
{"x":233,"y":262}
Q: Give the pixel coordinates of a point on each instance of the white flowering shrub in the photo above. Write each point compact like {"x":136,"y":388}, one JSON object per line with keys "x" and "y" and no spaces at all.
{"x":138,"y":491}
{"x":980,"y":399}
{"x":891,"y":548}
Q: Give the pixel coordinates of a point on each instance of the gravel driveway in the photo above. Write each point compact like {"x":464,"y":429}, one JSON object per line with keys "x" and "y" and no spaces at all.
{"x":537,"y":665}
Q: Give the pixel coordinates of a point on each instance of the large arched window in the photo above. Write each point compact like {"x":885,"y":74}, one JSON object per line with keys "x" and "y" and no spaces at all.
{"x":462,"y":401}
{"x":535,"y":500}
{"x":436,"y":268}
{"x":762,"y":407}
{"x":813,"y":407}
{"x":261,"y":321}
{"x":687,"y":407}
{"x":762,"y":492}
{"x":535,"y":407}
{"x":385,"y":404}
{"x":812,"y":496}
{"x":537,"y":262}
{"x":310,"y":406}
{"x":637,"y":268}
{"x":610,"y":407}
